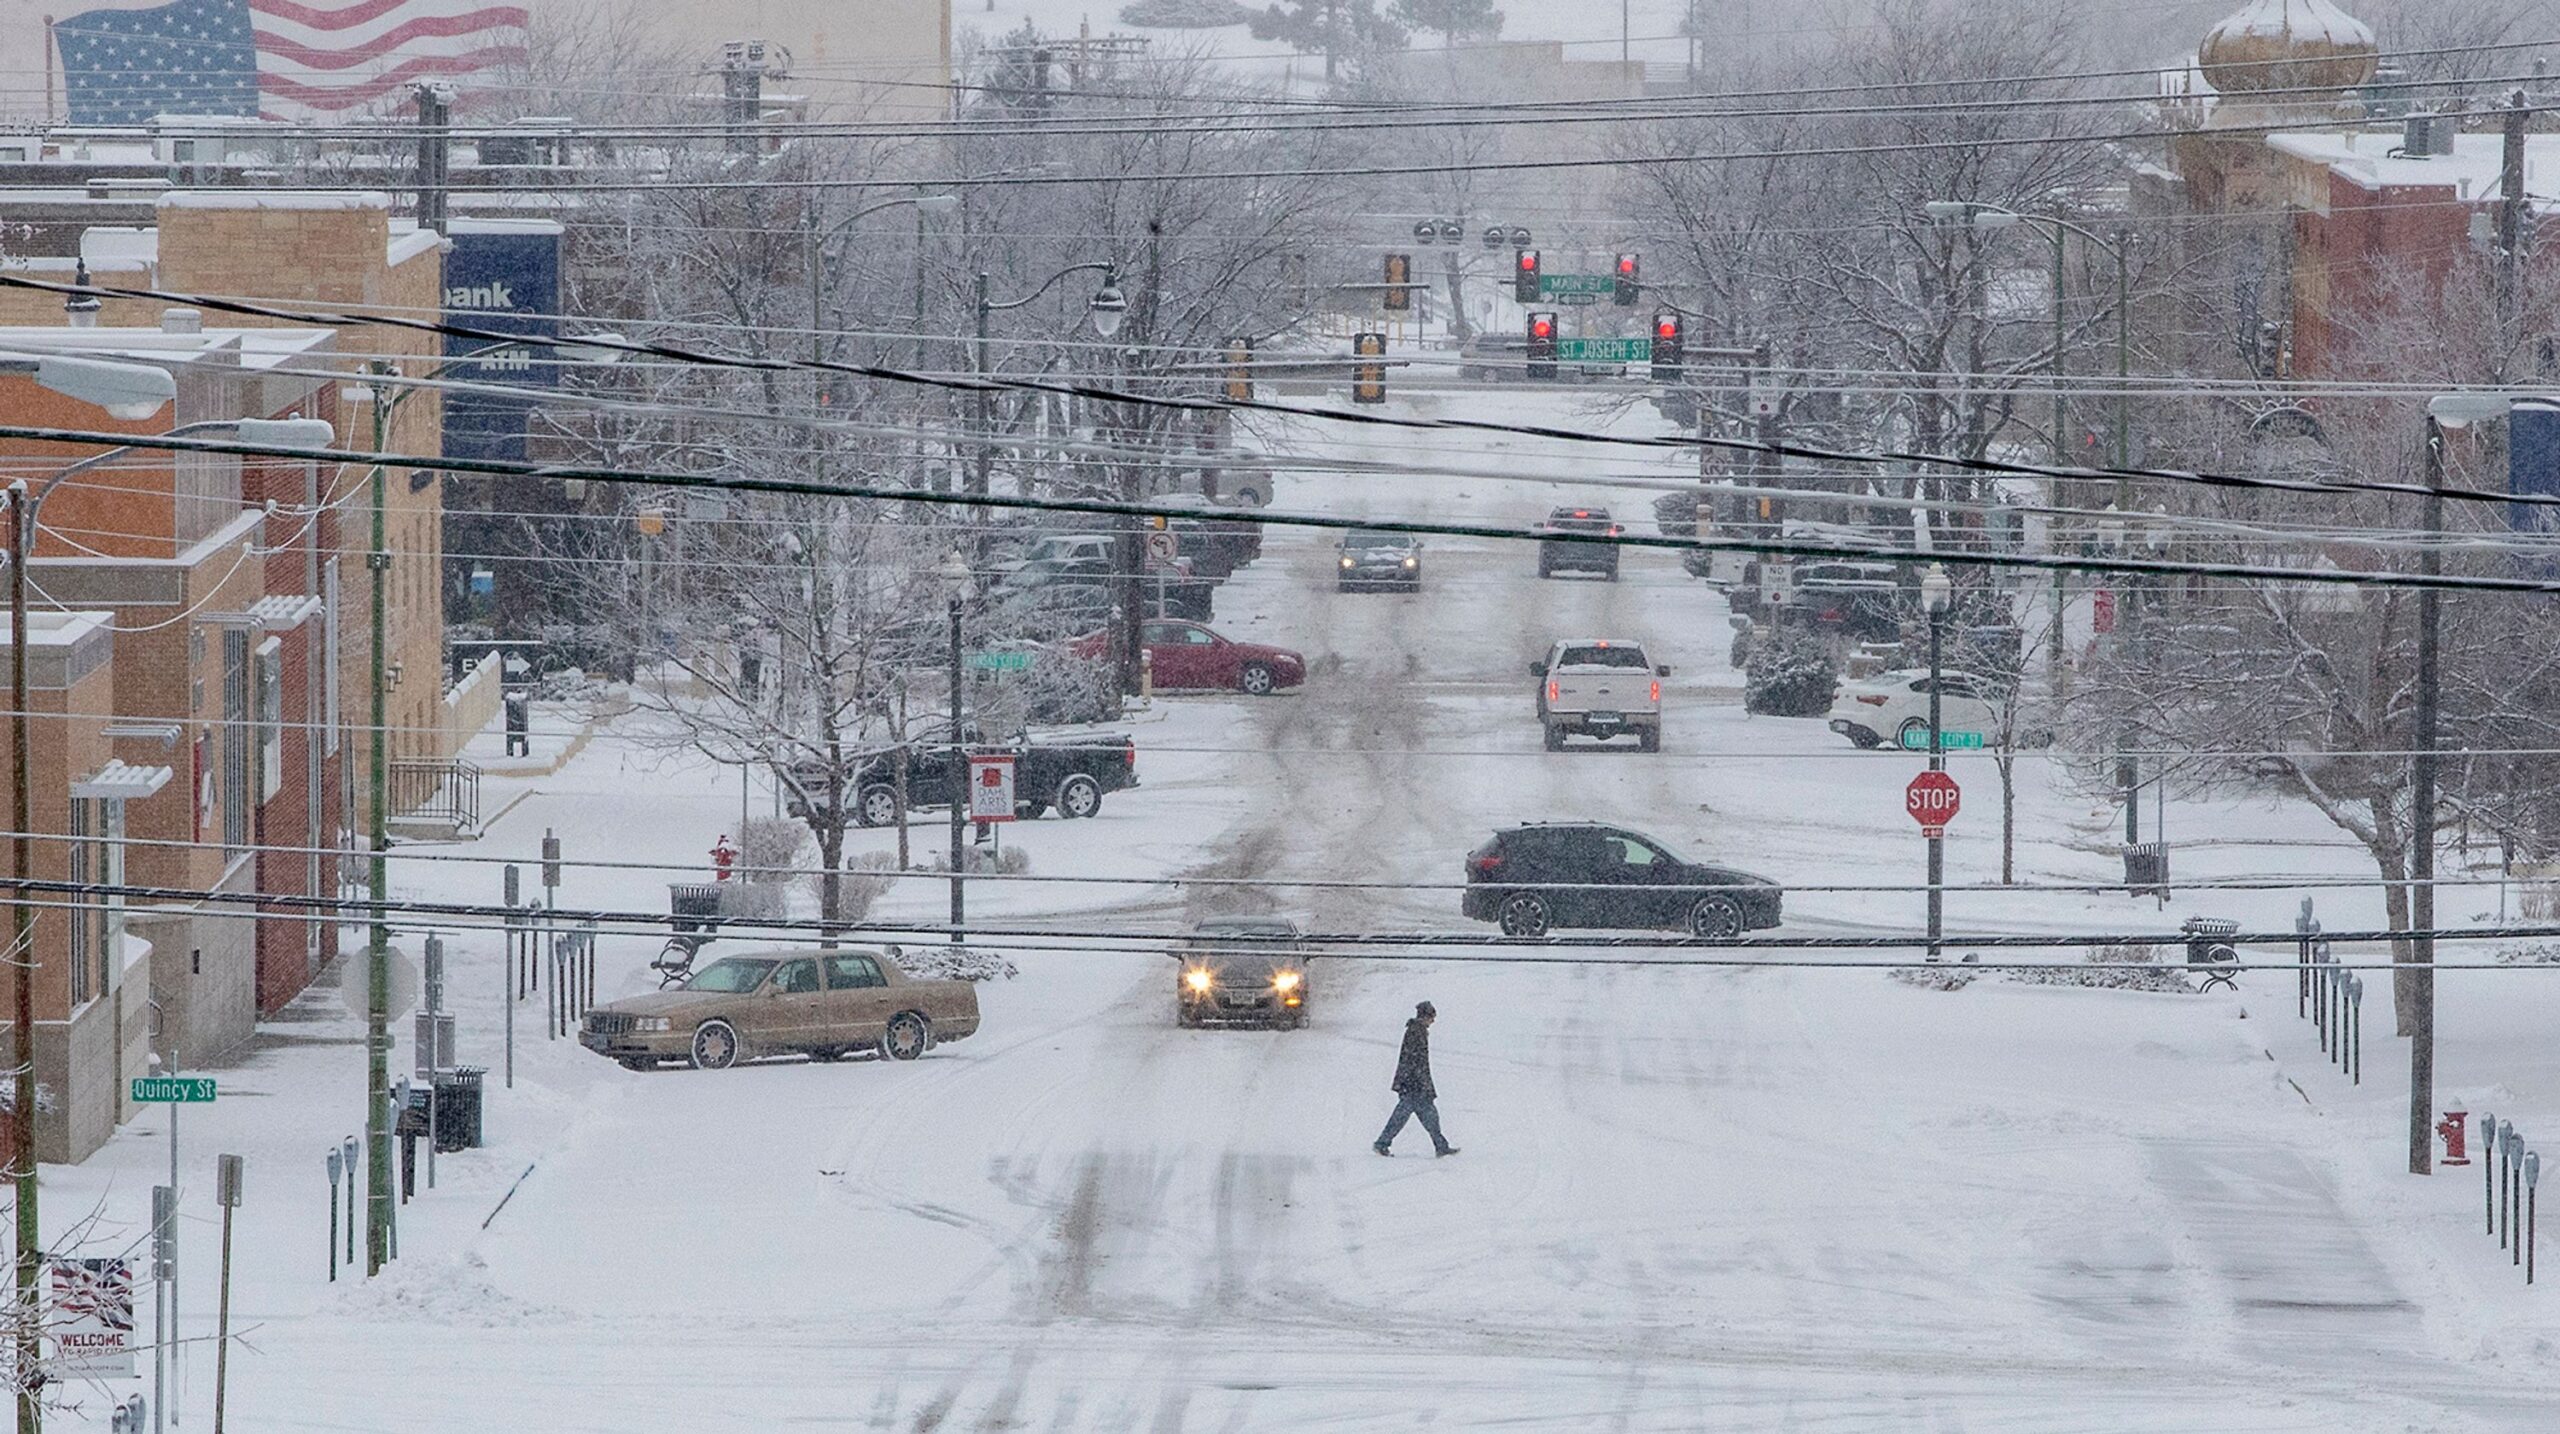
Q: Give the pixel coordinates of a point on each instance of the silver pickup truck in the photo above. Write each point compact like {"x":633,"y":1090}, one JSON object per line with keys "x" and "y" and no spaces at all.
{"x":1601,"y":687}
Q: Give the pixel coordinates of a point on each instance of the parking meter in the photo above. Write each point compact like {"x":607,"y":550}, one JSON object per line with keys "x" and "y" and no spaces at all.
{"x":337,"y":1167}
{"x":2532,"y":1168}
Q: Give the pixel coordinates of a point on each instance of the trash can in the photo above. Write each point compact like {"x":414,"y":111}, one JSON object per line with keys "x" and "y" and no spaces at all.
{"x":2146,"y":869}
{"x":458,"y":1109}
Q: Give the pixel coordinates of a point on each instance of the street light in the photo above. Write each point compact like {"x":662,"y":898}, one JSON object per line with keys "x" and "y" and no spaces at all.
{"x":123,"y":390}
{"x":1106,"y":308}
{"x":954,"y":573}
{"x":1936,"y":591}
{"x":1975,"y":214}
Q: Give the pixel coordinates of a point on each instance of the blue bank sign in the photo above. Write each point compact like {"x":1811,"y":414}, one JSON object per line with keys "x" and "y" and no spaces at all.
{"x":501,"y":274}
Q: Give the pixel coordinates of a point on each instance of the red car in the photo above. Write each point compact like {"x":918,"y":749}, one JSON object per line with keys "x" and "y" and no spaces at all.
{"x":1187,"y":655}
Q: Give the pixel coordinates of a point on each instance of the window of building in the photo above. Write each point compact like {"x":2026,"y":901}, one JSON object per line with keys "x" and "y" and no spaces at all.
{"x":270,"y":679}
{"x":88,"y":913}
{"x":239,"y":737}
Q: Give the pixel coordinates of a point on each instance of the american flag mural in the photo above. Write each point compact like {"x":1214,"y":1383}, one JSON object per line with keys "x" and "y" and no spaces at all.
{"x":278,"y":59}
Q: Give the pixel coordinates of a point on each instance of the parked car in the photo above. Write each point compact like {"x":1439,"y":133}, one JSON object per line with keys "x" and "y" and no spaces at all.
{"x":1374,"y":558}
{"x":1083,"y":579}
{"x":1578,"y":557}
{"x":1186,"y":656}
{"x":1549,"y":875}
{"x":1599,"y":687}
{"x":822,"y":1004}
{"x":1070,"y":775}
{"x":1241,"y":970}
{"x":1892,"y":708}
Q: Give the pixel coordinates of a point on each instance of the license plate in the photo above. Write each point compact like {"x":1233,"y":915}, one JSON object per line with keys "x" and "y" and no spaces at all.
{"x":1243,"y":1001}
{"x":1604,"y":719}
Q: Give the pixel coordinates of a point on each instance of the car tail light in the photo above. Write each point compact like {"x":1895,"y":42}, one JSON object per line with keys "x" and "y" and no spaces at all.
{"x":1614,"y":530}
{"x":1871,"y":699}
{"x":1129,"y":756}
{"x":1657,"y":689}
{"x":1555,"y":690}
{"x":1485,"y":863}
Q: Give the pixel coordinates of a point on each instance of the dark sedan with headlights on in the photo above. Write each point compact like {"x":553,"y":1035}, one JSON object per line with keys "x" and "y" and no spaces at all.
{"x":1373,"y":558}
{"x":1241,"y":970}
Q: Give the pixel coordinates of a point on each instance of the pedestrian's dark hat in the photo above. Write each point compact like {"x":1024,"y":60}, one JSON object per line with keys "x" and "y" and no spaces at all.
{"x":1424,"y":1008}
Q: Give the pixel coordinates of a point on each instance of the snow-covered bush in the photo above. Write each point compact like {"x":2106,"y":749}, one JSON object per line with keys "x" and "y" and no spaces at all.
{"x":866,"y":878}
{"x":952,"y":963}
{"x":1792,"y":674}
{"x":977,"y":860}
{"x":768,"y":846}
{"x":1937,"y":977}
{"x":2120,"y":966}
{"x":1184,"y":14}
{"x":2530,"y":953}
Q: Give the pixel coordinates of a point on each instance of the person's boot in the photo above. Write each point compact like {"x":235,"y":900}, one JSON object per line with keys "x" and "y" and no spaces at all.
{"x":1382,"y":1150}
{"x":1447,"y":1150}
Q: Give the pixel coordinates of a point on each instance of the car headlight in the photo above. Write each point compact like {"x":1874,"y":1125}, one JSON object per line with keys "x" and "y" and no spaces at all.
{"x":1346,"y":560}
{"x":1413,"y":562}
{"x":1285,"y":981}
{"x":653,"y":1023}
{"x":1196,"y":980}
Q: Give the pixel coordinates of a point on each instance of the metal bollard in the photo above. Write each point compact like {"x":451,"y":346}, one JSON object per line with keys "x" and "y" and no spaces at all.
{"x":2355,"y":1030}
{"x":337,"y":1172}
{"x":2488,"y":1172}
{"x":2532,"y":1180}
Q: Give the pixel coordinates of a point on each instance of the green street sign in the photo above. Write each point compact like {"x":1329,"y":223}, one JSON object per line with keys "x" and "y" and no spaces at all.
{"x":1604,"y":350}
{"x":179,"y":1090}
{"x":1556,"y":286}
{"x":1917,"y":740}
{"x":1000,"y":661}
{"x":1573,"y":301}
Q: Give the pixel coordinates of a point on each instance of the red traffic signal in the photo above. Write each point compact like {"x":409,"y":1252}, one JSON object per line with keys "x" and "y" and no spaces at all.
{"x":1398,"y":295}
{"x":1668,"y":359}
{"x":1524,"y":277}
{"x":1628,"y":286}
{"x":1369,"y":380}
{"x":1542,"y":346}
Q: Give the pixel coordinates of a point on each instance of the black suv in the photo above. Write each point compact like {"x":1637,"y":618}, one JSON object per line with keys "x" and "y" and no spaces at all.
{"x":1579,"y":557}
{"x":1535,"y":878}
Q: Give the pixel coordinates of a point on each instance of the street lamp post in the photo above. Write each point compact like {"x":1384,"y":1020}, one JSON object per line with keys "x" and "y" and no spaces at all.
{"x":1107,"y":306}
{"x":1935,"y":591}
{"x":954,"y":572}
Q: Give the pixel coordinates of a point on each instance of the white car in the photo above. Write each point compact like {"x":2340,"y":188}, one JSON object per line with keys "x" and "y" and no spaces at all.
{"x":1891,"y":709}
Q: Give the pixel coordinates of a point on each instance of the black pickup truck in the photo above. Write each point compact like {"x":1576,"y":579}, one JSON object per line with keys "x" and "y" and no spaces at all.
{"x":1070,"y":775}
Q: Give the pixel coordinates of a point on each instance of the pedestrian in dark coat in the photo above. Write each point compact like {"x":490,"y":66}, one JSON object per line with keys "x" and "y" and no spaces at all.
{"x":1416,"y":1097}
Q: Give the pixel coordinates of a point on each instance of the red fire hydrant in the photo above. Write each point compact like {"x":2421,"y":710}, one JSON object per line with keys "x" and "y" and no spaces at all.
{"x":2451,"y":1129}
{"x":723,"y":857}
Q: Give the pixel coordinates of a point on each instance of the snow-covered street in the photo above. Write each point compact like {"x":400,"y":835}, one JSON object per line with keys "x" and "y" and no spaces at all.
{"x":1787,"y":1197}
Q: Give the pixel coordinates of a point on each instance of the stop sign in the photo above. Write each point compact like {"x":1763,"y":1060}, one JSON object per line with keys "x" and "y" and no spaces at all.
{"x":1932,"y":800}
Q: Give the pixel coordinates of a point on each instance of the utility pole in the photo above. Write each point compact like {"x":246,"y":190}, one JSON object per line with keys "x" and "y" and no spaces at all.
{"x":377,"y":1003}
{"x":742,"y":72}
{"x":959,"y":778}
{"x":435,"y":152}
{"x":22,"y":949}
{"x":2511,"y":218}
{"x":2421,"y":985}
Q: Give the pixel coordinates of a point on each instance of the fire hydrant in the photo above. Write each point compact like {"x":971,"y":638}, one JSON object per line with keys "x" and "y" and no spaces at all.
{"x":2451,"y":1129}
{"x":723,"y":858}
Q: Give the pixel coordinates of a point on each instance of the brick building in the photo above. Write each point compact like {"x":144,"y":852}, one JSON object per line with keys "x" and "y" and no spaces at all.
{"x":219,"y":650}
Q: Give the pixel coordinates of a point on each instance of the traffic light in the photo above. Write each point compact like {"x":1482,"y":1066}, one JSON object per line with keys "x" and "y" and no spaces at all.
{"x":1369,"y":380}
{"x":1399,"y":296}
{"x":1524,"y":277}
{"x":1667,"y":358}
{"x":1240,"y":370}
{"x":1628,"y":287}
{"x":1542,"y":346}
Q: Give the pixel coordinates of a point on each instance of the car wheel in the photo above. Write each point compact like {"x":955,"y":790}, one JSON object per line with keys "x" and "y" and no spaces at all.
{"x":1524,"y":914}
{"x":1913,"y":730}
{"x":1555,"y":739}
{"x":715,"y":1046}
{"x":1649,"y":740}
{"x":1184,"y":1016}
{"x":1255,"y":680}
{"x":1079,"y":796}
{"x":1715,"y":918}
{"x":876,"y":806}
{"x":638,"y":1063}
{"x":906,"y":1038}
{"x":1863,"y":737}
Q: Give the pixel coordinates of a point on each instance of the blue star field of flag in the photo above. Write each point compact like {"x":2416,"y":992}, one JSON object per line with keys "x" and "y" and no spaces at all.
{"x":191,"y":57}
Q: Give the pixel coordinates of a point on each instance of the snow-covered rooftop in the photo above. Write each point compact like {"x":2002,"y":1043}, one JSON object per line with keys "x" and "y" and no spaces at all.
{"x":2373,"y":159}
{"x":256,"y":349}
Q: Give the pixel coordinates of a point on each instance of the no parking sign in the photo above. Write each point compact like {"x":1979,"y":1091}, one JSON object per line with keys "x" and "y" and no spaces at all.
{"x":991,"y":788}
